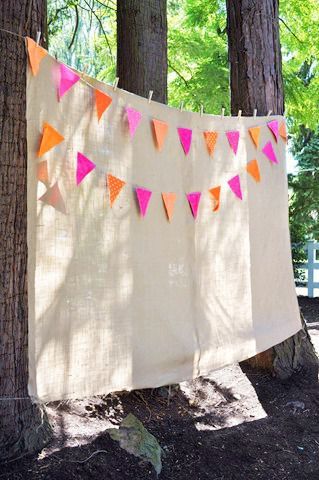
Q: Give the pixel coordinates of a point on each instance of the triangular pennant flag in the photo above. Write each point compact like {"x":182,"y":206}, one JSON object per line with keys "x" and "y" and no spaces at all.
{"x":84,"y":166}
{"x":255,"y":134}
{"x":54,"y":198}
{"x":143,"y":197}
{"x":115,"y":186}
{"x":50,"y":138}
{"x":67,"y":79}
{"x":268,"y":150}
{"x":102,"y":102}
{"x":233,"y":139}
{"x":36,"y":54}
{"x":194,"y":199}
{"x":253,"y":169}
{"x":283,"y":131}
{"x":274,"y":128}
{"x":234,"y":184}
{"x":215,"y":194}
{"x":42,"y":172}
{"x":160,"y":130}
{"x":211,"y":139}
{"x":134,"y":117}
{"x":185,"y":136}
{"x":169,"y":202}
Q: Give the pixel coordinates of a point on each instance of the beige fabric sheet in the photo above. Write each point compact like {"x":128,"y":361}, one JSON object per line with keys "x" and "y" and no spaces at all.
{"x":119,"y":302}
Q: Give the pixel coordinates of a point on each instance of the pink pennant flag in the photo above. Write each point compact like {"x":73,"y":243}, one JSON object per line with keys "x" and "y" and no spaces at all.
{"x":134,"y":117}
{"x":185,"y":136}
{"x":233,"y":139}
{"x":234,"y":184}
{"x":67,"y":79}
{"x":274,"y":128}
{"x":143,"y":197}
{"x":84,"y":166}
{"x":194,"y":199}
{"x":268,"y":150}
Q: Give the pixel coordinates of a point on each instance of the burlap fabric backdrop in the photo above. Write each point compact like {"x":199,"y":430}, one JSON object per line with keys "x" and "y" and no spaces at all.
{"x":120,"y":302}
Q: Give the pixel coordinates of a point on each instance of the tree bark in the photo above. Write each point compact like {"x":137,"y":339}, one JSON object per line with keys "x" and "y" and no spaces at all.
{"x":255,"y":56}
{"x":142,"y":47}
{"x":256,"y":82}
{"x":23,"y":426}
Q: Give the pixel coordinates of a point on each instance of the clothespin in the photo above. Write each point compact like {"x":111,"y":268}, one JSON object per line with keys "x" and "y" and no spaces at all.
{"x":150,"y":96}
{"x":115,"y":84}
{"x":239,"y":113}
{"x":223,"y":112}
{"x":269,"y":113}
{"x":38,"y":37}
{"x":255,"y":112}
{"x":181,"y":106}
{"x":201,"y":110}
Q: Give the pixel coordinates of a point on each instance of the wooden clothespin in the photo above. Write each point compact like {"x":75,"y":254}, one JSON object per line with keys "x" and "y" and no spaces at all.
{"x":115,"y":84}
{"x":269,"y":113}
{"x":223,"y":112}
{"x":181,"y":106}
{"x":38,"y":37}
{"x":239,"y":113}
{"x":201,"y":110}
{"x":255,"y":112}
{"x":150,"y":96}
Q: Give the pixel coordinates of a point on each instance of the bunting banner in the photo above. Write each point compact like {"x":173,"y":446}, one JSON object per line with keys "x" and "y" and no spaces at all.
{"x":158,"y":239}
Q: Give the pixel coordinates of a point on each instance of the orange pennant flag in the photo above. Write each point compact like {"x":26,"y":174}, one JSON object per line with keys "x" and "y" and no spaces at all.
{"x":215,"y":193}
{"x":255,"y":134}
{"x":160,"y":131}
{"x":42,"y":172}
{"x":50,"y":138}
{"x":211,"y":139}
{"x":36,"y":54}
{"x":115,"y":186}
{"x":283,"y":131}
{"x":102,"y":102}
{"x":169,"y":202}
{"x":253,"y":169}
{"x":54,"y":198}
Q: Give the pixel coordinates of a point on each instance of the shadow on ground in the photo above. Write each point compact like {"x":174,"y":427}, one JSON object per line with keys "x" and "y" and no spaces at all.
{"x":234,"y":424}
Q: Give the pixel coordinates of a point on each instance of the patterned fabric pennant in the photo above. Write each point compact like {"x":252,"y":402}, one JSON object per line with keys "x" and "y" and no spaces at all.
{"x":143,"y":197}
{"x":169,"y":200}
{"x":50,"y":138}
{"x":194,"y":199}
{"x":84,"y":167}
{"x":102,"y":102}
{"x":67,"y":79}
{"x":36,"y":55}
{"x":255,"y":134}
{"x":233,"y":139}
{"x":211,"y":139}
{"x":160,"y":131}
{"x":134,"y":117}
{"x":235,"y":187}
{"x":185,"y":136}
{"x":283,"y":131}
{"x":115,"y":186}
{"x":42,"y":172}
{"x":268,"y":150}
{"x":54,"y":198}
{"x":215,"y":194}
{"x":253,"y":169}
{"x":274,"y":128}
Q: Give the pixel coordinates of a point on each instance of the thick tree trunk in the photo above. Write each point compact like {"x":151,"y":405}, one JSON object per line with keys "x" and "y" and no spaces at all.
{"x":23,"y":426}
{"x":142,"y":47}
{"x":256,"y":82}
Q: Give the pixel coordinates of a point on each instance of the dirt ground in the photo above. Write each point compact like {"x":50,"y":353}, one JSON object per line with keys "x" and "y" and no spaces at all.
{"x":234,"y":424}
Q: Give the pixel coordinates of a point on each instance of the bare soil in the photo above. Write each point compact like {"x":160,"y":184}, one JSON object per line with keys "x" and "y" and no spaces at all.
{"x":235,"y":424}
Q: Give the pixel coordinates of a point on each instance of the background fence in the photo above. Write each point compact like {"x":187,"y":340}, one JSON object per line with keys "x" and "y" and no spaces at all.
{"x":310,"y":267}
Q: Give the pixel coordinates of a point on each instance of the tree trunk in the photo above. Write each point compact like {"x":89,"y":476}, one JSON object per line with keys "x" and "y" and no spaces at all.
{"x":23,"y":426}
{"x":256,"y":82}
{"x":142,"y":47}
